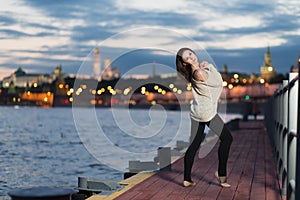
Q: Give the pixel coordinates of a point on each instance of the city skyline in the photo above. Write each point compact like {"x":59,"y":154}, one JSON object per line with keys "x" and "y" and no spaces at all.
{"x":40,"y":35}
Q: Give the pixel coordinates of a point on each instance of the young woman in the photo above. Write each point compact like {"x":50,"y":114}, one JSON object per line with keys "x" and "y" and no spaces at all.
{"x":206,"y":88}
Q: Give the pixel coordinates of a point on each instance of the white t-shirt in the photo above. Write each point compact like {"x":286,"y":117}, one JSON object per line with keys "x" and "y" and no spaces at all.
{"x":206,"y":95}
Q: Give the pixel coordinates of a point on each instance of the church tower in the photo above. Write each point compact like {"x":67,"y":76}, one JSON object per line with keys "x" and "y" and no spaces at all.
{"x":97,"y":65}
{"x":267,"y":70}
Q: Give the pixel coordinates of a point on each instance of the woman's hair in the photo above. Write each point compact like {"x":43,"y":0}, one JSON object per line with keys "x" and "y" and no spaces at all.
{"x":183,"y":68}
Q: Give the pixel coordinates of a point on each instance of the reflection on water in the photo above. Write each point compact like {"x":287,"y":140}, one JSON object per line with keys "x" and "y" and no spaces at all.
{"x":41,"y":147}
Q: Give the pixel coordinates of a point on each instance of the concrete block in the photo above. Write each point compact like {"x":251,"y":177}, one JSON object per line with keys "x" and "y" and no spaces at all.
{"x":102,"y":184}
{"x":164,"y":158}
{"x":175,"y":152}
{"x":138,"y":166}
{"x":95,"y":185}
{"x":181,"y":144}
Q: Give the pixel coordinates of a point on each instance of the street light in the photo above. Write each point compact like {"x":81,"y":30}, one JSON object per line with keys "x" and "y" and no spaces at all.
{"x":262,"y":81}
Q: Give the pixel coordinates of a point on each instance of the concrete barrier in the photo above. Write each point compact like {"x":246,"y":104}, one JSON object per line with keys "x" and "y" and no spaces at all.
{"x":42,"y":193}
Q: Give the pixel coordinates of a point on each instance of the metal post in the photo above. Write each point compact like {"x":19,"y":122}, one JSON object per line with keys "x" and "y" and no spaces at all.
{"x":292,"y":144}
{"x":285,"y":138}
{"x":277,"y":104}
{"x":298,"y":140}
{"x":164,"y":158}
{"x":279,"y":133}
{"x":273,"y":122}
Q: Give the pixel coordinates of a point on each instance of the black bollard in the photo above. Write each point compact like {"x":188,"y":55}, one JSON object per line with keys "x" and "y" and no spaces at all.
{"x":42,"y":193}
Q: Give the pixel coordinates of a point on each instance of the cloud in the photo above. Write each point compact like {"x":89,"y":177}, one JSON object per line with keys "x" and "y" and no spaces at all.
{"x":249,"y":41}
{"x":4,"y":20}
{"x":88,"y":33}
{"x":8,"y":33}
{"x":48,"y":32}
{"x":290,"y":7}
{"x":152,"y":6}
{"x":220,"y":23}
{"x":4,"y":72}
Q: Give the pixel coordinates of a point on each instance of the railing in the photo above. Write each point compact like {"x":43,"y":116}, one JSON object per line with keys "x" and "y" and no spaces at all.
{"x":281,"y":117}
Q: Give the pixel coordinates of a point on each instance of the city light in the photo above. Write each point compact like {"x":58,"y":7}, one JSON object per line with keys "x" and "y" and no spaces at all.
{"x":225,"y":83}
{"x":113,"y":92}
{"x":126,"y":91}
{"x":93,"y":101}
{"x":247,"y":97}
{"x":236,"y":76}
{"x":79,"y":90}
{"x":270,"y":69}
{"x":143,"y":90}
{"x":189,"y":86}
{"x":61,"y":86}
{"x":262,"y":81}
{"x":230,"y":86}
{"x":35,"y":85}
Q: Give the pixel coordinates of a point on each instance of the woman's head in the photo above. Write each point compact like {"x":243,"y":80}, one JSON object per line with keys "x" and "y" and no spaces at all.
{"x":184,"y":59}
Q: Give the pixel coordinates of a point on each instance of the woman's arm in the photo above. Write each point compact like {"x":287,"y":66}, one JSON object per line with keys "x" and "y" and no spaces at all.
{"x":199,"y":72}
{"x":200,"y":75}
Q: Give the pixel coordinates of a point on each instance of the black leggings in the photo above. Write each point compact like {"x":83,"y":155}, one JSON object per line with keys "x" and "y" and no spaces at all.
{"x":216,"y":125}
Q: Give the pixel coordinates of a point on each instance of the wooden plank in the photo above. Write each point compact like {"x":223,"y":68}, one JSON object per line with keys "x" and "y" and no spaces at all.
{"x":258,"y":191}
{"x":251,"y":173}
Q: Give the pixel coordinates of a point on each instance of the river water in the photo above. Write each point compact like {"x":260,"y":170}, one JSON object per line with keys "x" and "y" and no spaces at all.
{"x":55,"y":146}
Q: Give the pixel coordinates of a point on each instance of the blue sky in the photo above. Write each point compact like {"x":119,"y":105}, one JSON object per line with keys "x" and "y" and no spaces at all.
{"x":39,"y":35}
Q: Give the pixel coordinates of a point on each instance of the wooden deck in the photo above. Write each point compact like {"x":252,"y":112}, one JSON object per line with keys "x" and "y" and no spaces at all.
{"x":251,"y":173}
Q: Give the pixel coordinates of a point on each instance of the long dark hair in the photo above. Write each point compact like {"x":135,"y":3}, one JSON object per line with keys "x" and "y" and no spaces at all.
{"x":183,"y":68}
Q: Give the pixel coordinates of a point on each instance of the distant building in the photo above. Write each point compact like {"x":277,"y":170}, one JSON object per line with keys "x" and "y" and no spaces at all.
{"x":267,"y":70}
{"x":109,"y":73}
{"x":103,"y":74}
{"x":224,"y":73}
{"x":22,"y":79}
{"x":97,"y":65}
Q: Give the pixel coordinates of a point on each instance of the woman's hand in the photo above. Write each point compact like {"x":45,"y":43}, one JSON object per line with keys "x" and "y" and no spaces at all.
{"x":204,"y":65}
